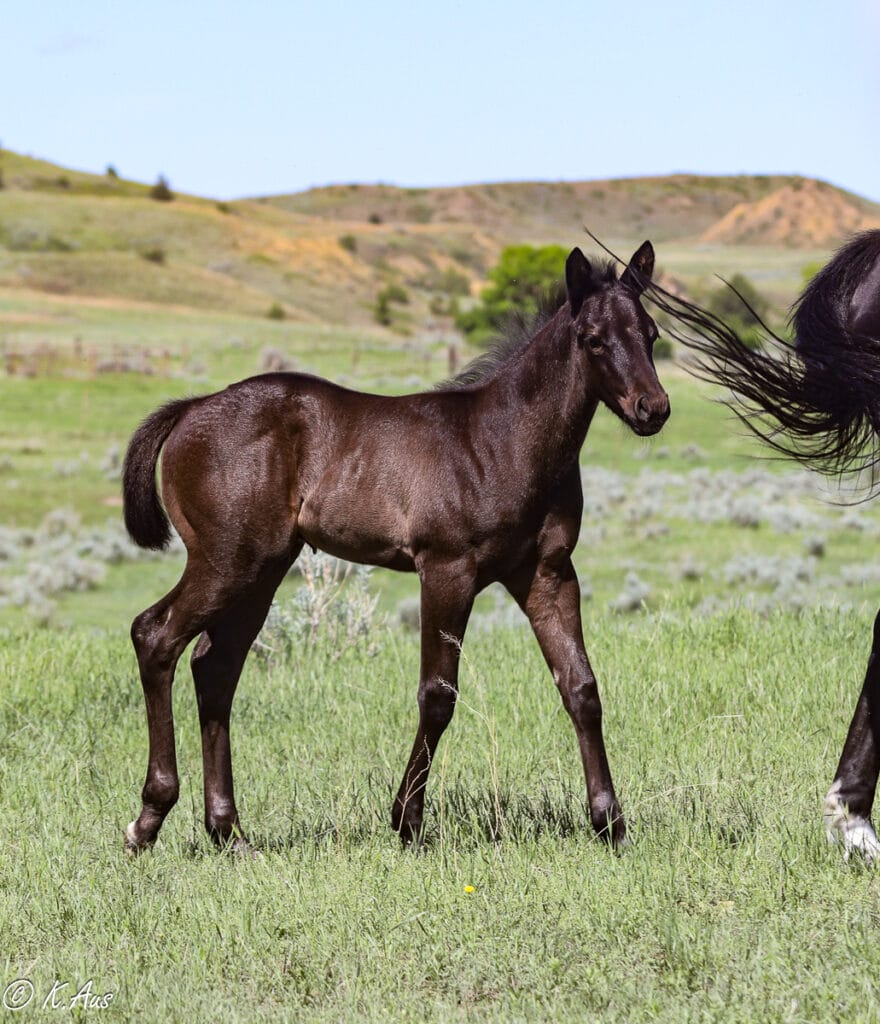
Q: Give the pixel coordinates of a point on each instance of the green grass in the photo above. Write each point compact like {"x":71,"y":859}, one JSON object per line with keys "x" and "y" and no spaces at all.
{"x":723,"y":730}
{"x":723,"y":735}
{"x":56,"y":433}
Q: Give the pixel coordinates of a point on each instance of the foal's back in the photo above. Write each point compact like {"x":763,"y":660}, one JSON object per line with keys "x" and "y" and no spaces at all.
{"x":282,"y":458}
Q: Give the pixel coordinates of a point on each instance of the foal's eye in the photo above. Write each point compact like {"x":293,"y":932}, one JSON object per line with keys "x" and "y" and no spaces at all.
{"x":595,"y":342}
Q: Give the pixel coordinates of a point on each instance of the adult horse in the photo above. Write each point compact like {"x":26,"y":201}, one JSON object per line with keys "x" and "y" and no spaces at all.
{"x":820,"y":404}
{"x":475,"y":482}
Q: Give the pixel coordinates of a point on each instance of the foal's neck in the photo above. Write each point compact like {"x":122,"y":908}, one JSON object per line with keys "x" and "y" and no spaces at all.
{"x":549,"y":397}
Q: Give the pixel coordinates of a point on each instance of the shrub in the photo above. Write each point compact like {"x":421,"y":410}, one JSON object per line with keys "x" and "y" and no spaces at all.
{"x":349,"y":243}
{"x":632,"y":597}
{"x":111,"y":172}
{"x":742,"y":307}
{"x":273,"y":360}
{"x":453,"y":282}
{"x":396,"y":293}
{"x":276,"y":311}
{"x":409,"y":613}
{"x":382,"y":308}
{"x":375,"y":218}
{"x":161,"y":191}
{"x":441,"y":305}
{"x":333,"y":609}
{"x":523,"y":276}
{"x":663,"y":349}
{"x":154,"y":254}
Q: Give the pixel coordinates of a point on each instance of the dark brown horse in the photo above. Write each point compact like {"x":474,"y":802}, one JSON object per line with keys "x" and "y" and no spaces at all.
{"x":475,"y":482}
{"x":818,"y":403}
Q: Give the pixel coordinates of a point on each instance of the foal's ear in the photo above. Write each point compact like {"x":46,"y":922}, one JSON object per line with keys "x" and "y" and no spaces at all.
{"x":578,"y":279}
{"x":641,"y":267}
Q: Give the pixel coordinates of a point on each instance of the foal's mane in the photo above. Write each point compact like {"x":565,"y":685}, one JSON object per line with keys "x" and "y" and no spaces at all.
{"x":517,"y":331}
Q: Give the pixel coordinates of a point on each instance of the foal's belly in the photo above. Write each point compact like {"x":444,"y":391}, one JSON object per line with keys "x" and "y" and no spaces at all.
{"x":386,"y":532}
{"x":372,"y":532}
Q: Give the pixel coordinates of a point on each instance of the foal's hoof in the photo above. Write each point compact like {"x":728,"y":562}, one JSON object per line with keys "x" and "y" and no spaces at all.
{"x":131,"y":844}
{"x":611,"y":829}
{"x":405,"y":824}
{"x":240,"y":847}
{"x":410,"y":833}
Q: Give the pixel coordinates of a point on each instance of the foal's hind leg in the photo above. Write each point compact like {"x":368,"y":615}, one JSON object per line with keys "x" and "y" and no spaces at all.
{"x":160,"y":635}
{"x":217,"y":662}
{"x":849,"y":801}
{"x":446,"y":601}
{"x":550,"y":596}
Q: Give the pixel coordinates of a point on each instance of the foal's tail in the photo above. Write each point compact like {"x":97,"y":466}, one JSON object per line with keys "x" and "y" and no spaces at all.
{"x":145,"y":518}
{"x":817,"y":401}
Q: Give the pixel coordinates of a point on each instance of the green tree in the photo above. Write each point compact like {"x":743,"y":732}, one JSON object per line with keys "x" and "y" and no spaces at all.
{"x":523,"y":275}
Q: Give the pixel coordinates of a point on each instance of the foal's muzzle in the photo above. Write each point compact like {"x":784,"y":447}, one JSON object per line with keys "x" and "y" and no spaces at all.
{"x":649,"y":413}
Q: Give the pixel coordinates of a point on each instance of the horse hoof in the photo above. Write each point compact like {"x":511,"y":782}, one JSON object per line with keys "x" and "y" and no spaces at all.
{"x":854,"y":831}
{"x":860,"y":839}
{"x":130,"y":843}
{"x":240,"y":847}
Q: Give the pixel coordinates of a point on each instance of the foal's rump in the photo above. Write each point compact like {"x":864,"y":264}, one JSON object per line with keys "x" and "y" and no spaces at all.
{"x":272,"y":462}
{"x":226,"y":470}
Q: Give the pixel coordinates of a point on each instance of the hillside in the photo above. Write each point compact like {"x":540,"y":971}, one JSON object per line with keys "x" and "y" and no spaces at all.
{"x":323,"y":255}
{"x":798,"y":214}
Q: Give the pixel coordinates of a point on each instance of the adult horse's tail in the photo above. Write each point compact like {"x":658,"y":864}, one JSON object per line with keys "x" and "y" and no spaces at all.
{"x":817,"y":401}
{"x":145,"y":518}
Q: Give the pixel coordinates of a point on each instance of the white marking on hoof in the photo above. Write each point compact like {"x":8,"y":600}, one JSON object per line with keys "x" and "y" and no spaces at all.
{"x":856,"y":831}
{"x":130,"y":844}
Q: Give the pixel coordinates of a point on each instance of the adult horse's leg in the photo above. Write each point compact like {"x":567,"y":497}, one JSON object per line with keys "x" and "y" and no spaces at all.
{"x":217,"y":662}
{"x":446,"y":601}
{"x":550,"y":597}
{"x":849,"y":801}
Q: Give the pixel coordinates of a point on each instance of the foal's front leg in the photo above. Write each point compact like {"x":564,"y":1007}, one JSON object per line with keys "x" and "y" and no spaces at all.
{"x":849,"y":801}
{"x":550,"y":597}
{"x":446,"y":601}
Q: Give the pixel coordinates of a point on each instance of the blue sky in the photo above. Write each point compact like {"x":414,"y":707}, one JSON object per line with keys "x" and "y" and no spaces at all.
{"x":243,"y":99}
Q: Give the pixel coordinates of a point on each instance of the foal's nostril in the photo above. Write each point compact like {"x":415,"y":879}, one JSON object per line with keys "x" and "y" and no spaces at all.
{"x":643,"y":408}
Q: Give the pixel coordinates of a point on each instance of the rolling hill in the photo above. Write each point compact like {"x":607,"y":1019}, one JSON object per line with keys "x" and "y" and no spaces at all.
{"x":323,"y":255}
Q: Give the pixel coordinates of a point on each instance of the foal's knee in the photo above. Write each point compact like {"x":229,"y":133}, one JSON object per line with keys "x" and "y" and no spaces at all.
{"x":161,"y":791}
{"x":437,"y":699}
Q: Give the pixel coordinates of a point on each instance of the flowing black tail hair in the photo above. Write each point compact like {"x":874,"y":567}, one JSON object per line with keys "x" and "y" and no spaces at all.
{"x":145,"y":518}
{"x":817,"y":401}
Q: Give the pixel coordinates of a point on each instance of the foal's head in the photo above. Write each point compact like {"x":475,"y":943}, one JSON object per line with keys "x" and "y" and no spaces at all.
{"x":614,"y":336}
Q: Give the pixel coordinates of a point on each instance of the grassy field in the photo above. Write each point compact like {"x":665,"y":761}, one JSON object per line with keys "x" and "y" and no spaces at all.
{"x":727,"y":609}
{"x":687,"y":516}
{"x":728,"y":906}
